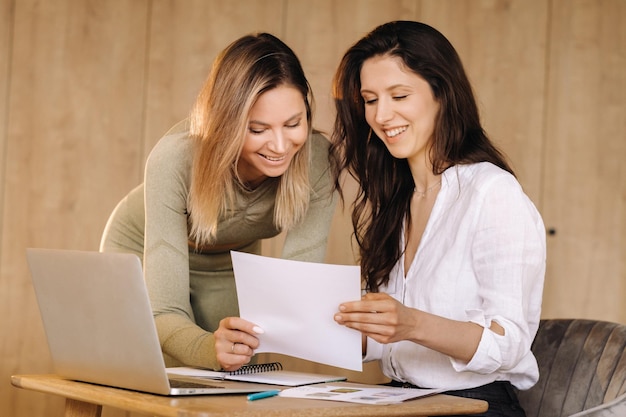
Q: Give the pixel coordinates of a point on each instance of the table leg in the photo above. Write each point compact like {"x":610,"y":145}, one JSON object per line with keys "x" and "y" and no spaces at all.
{"x":75,"y":408}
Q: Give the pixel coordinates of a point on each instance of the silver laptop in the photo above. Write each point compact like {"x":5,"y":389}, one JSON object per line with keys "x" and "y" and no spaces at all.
{"x":98,"y":321}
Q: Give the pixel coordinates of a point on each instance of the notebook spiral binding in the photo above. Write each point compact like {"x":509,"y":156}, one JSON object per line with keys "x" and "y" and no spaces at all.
{"x":256,"y":368}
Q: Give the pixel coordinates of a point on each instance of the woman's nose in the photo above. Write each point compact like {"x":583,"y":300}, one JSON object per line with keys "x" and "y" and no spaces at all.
{"x":278,"y":143}
{"x":383,"y":112}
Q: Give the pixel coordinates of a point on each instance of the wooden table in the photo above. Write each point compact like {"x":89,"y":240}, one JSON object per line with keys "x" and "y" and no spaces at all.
{"x":86,"y":400}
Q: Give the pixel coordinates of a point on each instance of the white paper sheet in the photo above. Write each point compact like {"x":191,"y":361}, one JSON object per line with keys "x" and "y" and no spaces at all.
{"x":358,"y":393}
{"x":294,"y":303}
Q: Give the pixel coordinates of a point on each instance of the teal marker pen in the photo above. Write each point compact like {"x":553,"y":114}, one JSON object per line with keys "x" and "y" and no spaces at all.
{"x":264,"y":394}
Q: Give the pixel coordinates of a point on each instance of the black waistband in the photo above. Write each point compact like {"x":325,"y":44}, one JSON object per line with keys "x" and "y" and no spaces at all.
{"x":483,"y":391}
{"x":500,"y":395}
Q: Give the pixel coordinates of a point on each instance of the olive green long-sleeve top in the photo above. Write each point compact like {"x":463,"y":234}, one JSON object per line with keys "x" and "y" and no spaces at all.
{"x":192,"y":291}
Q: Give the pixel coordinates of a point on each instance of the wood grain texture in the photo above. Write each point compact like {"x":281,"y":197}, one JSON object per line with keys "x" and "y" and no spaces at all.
{"x":502,"y":45}
{"x":6,"y":33}
{"x":75,"y":100}
{"x":185,"y":37}
{"x":585,"y":150}
{"x":237,"y":405}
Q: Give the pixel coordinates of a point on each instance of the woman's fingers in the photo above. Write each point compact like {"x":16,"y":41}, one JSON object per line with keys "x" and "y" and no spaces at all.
{"x":378,"y":316}
{"x":237,"y":330}
{"x":235,"y":342}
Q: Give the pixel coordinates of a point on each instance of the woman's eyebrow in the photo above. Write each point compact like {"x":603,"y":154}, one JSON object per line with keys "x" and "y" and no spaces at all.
{"x":292,"y":118}
{"x":391,"y":87}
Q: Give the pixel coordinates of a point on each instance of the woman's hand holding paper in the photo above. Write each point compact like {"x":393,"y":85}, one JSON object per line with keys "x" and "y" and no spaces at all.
{"x":235,"y":342}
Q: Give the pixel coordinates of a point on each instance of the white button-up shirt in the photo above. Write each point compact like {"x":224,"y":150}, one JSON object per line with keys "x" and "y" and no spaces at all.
{"x":481,"y":258}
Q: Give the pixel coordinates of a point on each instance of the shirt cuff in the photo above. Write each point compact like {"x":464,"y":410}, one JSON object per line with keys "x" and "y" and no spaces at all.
{"x":488,"y":357}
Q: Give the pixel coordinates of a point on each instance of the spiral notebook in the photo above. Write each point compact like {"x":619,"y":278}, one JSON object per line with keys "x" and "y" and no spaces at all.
{"x":263,"y":373}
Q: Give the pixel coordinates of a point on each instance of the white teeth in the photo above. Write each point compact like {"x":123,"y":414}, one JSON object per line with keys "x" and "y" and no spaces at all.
{"x":394,"y":132}
{"x":273,"y":159}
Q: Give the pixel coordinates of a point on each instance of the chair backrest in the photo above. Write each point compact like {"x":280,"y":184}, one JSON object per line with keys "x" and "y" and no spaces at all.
{"x":582,"y":364}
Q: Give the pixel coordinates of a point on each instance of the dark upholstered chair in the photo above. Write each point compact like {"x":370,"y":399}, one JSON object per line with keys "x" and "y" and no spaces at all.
{"x":582,"y":368}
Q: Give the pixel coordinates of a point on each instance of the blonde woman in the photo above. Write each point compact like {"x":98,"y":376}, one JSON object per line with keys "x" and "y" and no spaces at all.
{"x":245,"y":166}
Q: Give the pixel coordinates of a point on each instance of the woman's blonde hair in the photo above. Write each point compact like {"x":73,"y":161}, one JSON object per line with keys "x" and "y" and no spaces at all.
{"x":243,"y":71}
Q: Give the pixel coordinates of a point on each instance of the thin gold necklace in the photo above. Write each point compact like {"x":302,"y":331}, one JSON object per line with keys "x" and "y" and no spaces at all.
{"x":422,"y":194}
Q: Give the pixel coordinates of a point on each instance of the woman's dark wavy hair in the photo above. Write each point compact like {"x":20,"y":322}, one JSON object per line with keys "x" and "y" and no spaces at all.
{"x":385,"y":183}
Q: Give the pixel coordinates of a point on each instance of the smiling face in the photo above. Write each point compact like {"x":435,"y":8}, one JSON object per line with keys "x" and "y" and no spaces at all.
{"x":399,"y":107}
{"x":277,"y":129}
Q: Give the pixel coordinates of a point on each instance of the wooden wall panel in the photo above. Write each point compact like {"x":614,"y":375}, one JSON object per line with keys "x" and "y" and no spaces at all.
{"x":6,"y":31}
{"x":8,"y":358}
{"x":185,"y":37}
{"x":73,"y":62}
{"x":585,"y":178}
{"x":502,"y":45}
